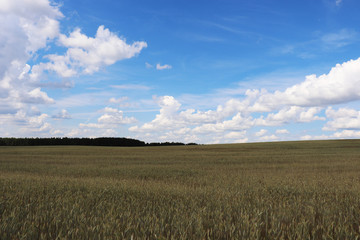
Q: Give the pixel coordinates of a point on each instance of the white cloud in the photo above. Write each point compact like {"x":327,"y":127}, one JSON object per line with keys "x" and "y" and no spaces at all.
{"x":83,"y":132}
{"x":24,"y":123}
{"x":269,"y":138}
{"x":205,"y":122}
{"x":30,"y":26}
{"x":244,"y":140}
{"x":158,"y":66}
{"x":89,"y":54}
{"x":341,"y":113}
{"x":347,"y":134}
{"x":319,"y":137}
{"x":118,"y":100}
{"x":260,"y":133}
{"x":216,"y":122}
{"x":63,"y":114}
{"x":37,"y":20}
{"x":235,"y":135}
{"x":37,"y":96}
{"x":287,"y":115}
{"x":340,"y":85}
{"x":343,"y":118}
{"x":163,"y":67}
{"x":173,"y":136}
{"x":166,"y":119}
{"x":115,"y":116}
{"x":282,"y":131}
{"x":111,"y":119}
{"x":338,"y":2}
{"x":26,"y":27}
{"x":238,"y":122}
{"x":300,"y":103}
{"x":306,"y":137}
{"x":107,"y":125}
{"x":344,"y":134}
{"x":58,"y":64}
{"x":170,"y":118}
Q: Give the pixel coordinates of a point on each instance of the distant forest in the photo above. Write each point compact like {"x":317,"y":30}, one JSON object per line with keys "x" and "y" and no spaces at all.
{"x":121,"y":142}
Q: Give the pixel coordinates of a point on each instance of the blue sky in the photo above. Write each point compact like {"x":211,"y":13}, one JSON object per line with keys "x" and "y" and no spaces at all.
{"x":189,"y":71}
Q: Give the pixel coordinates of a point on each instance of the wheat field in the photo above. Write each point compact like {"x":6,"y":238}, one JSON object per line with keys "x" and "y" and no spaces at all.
{"x":283,"y":190}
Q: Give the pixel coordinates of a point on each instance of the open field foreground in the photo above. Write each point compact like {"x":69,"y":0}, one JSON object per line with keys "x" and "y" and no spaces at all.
{"x":288,"y":190}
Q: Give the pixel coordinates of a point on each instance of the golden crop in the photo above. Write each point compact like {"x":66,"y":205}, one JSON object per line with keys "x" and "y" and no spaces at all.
{"x":288,"y":190}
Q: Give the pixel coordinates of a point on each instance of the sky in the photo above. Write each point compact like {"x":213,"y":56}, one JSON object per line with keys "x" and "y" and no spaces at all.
{"x":228,"y":71}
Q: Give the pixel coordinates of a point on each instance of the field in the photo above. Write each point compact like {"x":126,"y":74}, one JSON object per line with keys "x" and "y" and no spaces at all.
{"x":286,"y":190}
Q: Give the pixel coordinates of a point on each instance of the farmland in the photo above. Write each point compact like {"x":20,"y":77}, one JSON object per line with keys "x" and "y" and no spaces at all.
{"x":283,"y":190}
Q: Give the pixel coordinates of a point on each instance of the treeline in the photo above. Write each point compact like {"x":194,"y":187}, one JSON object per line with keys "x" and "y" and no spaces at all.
{"x":121,"y":142}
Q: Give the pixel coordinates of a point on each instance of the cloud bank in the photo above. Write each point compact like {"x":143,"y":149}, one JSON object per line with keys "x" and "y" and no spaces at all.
{"x":28,"y":27}
{"x":300,"y":103}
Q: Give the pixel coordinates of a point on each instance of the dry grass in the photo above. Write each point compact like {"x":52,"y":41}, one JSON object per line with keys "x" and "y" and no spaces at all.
{"x":289,"y":190}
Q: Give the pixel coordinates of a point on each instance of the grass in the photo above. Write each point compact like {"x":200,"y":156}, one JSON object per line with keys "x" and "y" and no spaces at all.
{"x":285,"y":190}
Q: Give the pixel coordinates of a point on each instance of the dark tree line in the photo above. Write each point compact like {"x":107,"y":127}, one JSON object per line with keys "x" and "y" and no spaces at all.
{"x":105,"y":141}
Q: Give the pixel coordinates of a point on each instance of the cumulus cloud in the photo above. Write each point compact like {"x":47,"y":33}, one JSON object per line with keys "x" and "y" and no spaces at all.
{"x":166,"y":119}
{"x":37,"y":96}
{"x":306,"y":137}
{"x":317,"y":137}
{"x":30,"y":26}
{"x":171,"y":117}
{"x":63,"y":114}
{"x":88,"y":54}
{"x":282,"y":131}
{"x":24,"y":123}
{"x":269,"y":138}
{"x":173,"y":136}
{"x":236,"y":123}
{"x":343,"y":118}
{"x":27,"y":26}
{"x":163,"y":67}
{"x":37,"y":20}
{"x":300,"y":103}
{"x":236,"y":135}
{"x":233,"y":116}
{"x":115,"y":116}
{"x":260,"y":133}
{"x":340,"y":85}
{"x":111,"y":118}
{"x":290,"y":114}
{"x":347,"y":134}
